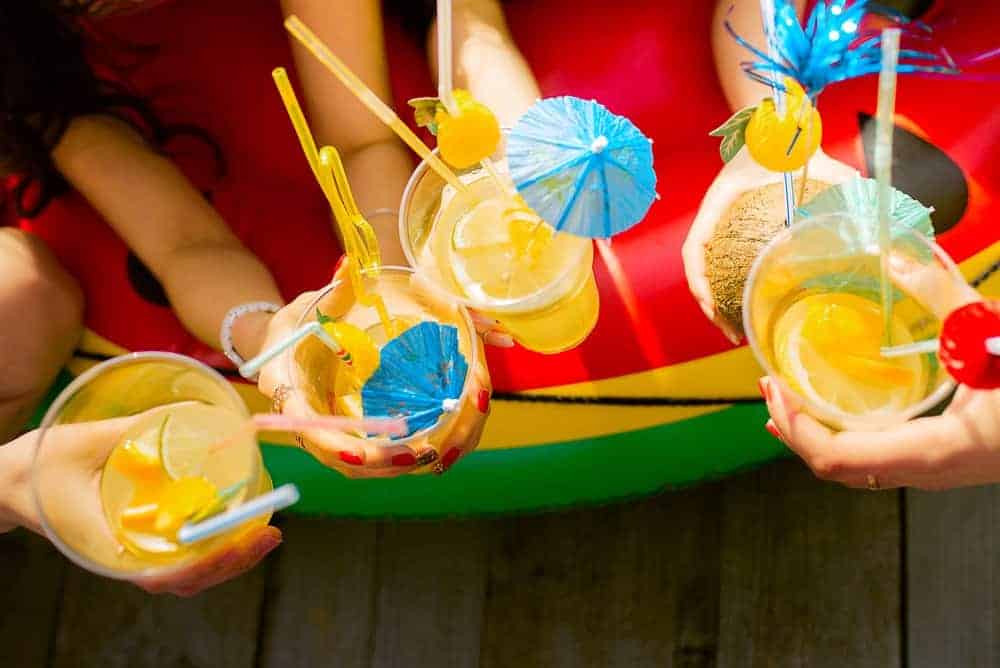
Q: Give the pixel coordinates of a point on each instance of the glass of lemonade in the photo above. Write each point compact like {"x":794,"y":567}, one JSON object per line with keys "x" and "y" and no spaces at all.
{"x":813,"y":318}
{"x":486,"y":249}
{"x":330,"y":387}
{"x":134,"y":448}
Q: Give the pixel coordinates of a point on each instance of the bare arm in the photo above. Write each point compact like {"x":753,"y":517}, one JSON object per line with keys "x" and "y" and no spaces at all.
{"x":16,"y":505}
{"x":203,"y":267}
{"x":739,"y":89}
{"x":487,"y":61}
{"x":378,"y":163}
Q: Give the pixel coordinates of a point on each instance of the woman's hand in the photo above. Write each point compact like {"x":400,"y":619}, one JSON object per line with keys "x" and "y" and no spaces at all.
{"x":70,"y":489}
{"x":739,"y":175}
{"x":958,"y":448}
{"x":358,"y":457}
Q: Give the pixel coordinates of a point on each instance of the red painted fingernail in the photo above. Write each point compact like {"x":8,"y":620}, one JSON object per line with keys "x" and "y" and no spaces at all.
{"x":340,"y":262}
{"x":484,"y":401}
{"x":350,"y":458}
{"x":773,"y":430}
{"x":404,"y":459}
{"x":450,"y":457}
{"x":765,"y":388}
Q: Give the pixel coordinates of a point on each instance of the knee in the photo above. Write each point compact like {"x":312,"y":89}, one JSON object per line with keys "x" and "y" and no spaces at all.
{"x":42,"y":307}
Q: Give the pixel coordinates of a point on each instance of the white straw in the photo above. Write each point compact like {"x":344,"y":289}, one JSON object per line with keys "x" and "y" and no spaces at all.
{"x":273,"y":501}
{"x":883,"y":169}
{"x":446,"y":82}
{"x":445,"y":66}
{"x":916,"y":348}
{"x":253,"y":367}
{"x":931,"y":346}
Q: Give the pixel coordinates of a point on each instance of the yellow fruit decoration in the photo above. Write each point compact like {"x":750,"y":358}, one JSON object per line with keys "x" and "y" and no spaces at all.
{"x":361,"y":356}
{"x":180,"y":500}
{"x":136,"y":464}
{"x":776,"y":142}
{"x":465,"y":139}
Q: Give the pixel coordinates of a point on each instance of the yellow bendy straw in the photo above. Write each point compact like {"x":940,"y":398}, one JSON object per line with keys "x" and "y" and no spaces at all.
{"x":360,"y":243}
{"x":297,"y":118}
{"x":310,"y":41}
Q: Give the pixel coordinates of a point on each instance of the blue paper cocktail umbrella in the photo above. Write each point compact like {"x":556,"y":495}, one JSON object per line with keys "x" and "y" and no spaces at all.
{"x":583,"y":169}
{"x":420,"y":377}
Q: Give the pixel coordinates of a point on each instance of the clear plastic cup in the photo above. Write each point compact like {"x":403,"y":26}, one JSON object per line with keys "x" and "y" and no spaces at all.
{"x":812,"y":315}
{"x":85,"y":488}
{"x":556,"y":312}
{"x":313,"y":368}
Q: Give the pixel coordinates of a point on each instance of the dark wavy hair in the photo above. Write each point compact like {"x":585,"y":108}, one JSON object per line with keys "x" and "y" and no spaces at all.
{"x":47,"y":80}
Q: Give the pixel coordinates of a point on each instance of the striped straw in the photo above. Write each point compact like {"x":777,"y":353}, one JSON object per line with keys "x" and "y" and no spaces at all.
{"x":253,"y":367}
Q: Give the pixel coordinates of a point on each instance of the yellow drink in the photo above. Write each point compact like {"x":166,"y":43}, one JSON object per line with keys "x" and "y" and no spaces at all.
{"x":826,"y":346}
{"x":486,"y":248}
{"x":131,"y":451}
{"x":813,"y":317}
{"x":175,"y":465}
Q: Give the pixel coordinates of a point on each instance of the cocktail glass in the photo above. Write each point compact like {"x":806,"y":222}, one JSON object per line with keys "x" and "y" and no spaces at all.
{"x":118,"y":438}
{"x":813,"y":318}
{"x":330,"y":387}
{"x":485,"y":249}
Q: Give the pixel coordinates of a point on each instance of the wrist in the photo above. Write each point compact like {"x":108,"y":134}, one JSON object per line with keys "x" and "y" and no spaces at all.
{"x":16,"y":504}
{"x":244,"y":329}
{"x":249,"y":332}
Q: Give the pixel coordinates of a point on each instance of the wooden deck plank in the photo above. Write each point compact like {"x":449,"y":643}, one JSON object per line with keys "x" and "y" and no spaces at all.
{"x":627,"y":585}
{"x":31,"y":572}
{"x":110,"y":624}
{"x":320,"y":595}
{"x":431,"y":588}
{"x":811,"y":573}
{"x":953,"y":577}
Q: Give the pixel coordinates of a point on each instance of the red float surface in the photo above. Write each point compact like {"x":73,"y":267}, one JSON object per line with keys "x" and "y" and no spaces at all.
{"x":647,"y":59}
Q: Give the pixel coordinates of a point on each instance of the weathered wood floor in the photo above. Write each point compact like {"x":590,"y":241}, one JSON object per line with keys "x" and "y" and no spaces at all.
{"x":771,"y":568}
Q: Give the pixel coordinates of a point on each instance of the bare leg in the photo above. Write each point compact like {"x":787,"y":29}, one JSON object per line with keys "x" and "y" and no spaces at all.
{"x":41,"y":308}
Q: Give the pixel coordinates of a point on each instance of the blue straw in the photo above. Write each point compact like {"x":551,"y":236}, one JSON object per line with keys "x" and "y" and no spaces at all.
{"x":767,"y":15}
{"x":273,"y":501}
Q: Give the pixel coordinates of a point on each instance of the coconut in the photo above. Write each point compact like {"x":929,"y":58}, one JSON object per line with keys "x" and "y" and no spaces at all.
{"x":749,"y":224}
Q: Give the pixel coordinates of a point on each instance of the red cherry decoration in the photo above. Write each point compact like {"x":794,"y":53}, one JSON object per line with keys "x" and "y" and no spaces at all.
{"x":963,"y":345}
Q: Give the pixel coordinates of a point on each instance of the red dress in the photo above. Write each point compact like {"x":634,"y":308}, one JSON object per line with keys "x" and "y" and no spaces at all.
{"x":649,"y":60}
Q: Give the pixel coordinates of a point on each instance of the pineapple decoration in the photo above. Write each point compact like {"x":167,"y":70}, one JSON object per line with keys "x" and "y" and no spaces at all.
{"x":835,"y":43}
{"x":780,"y":143}
{"x":465,"y":138}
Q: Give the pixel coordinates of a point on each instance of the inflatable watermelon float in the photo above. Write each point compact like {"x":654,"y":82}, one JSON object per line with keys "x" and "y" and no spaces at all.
{"x":656,"y":397}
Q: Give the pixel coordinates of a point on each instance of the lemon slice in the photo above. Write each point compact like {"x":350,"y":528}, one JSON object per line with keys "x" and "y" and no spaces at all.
{"x":183,"y":448}
{"x":501,"y":251}
{"x":827,"y":347}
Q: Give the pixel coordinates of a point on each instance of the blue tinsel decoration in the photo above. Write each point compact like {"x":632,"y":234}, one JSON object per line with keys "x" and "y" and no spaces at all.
{"x":833,"y":46}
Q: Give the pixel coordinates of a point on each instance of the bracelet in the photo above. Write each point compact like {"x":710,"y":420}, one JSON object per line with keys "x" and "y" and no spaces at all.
{"x":235,"y":313}
{"x":384,"y":211}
